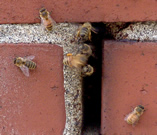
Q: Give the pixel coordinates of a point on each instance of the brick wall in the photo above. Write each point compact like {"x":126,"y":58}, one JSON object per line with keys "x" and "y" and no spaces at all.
{"x":36,"y":104}
{"x":79,"y":11}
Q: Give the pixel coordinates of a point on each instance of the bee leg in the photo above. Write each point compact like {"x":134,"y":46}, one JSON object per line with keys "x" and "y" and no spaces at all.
{"x":50,"y":12}
{"x":134,"y":124}
{"x":67,"y":23}
{"x":132,"y":108}
{"x":38,"y":8}
{"x":69,"y":54}
{"x":90,"y":36}
{"x":94,"y":30}
{"x":38,"y":18}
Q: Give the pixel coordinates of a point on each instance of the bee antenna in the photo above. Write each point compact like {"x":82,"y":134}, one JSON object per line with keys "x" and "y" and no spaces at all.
{"x":40,"y":7}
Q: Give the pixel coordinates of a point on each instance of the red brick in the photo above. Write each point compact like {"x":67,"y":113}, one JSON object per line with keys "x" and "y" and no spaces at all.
{"x":129,"y":79}
{"x":35,"y":104}
{"x":78,"y":11}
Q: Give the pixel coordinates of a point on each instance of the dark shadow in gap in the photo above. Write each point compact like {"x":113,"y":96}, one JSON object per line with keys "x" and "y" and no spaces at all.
{"x":92,"y":84}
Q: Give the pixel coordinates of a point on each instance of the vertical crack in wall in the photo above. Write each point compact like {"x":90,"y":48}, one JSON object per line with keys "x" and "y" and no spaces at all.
{"x":83,"y":99}
{"x":92,"y":85}
{"x":34,"y":33}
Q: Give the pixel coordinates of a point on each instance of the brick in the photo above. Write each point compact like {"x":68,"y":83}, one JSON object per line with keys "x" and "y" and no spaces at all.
{"x":35,"y":104}
{"x":78,"y":11}
{"x":129,"y":79}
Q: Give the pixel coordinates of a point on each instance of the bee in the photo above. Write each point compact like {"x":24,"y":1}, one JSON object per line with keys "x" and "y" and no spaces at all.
{"x":25,"y":64}
{"x":85,"y":49}
{"x":134,"y":116}
{"x":84,"y":32}
{"x":46,"y":21}
{"x":77,"y":60}
{"x":87,"y":70}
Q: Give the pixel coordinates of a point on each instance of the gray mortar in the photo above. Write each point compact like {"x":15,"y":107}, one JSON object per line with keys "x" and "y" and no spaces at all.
{"x":140,"y":31}
{"x":73,"y":96}
{"x":62,"y":35}
{"x":34,"y":33}
{"x":73,"y":101}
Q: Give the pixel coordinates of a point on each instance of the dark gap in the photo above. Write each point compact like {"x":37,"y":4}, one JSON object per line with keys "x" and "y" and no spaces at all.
{"x":92,"y":84}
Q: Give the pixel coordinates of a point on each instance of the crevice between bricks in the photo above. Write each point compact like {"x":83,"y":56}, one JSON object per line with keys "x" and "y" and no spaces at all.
{"x":34,"y":33}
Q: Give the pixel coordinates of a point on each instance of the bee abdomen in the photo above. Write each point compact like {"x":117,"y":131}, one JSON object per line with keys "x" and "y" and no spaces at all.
{"x":66,"y":61}
{"x":129,"y":121}
{"x":30,"y":64}
{"x":132,"y":119}
{"x":84,"y":32}
{"x":49,"y":27}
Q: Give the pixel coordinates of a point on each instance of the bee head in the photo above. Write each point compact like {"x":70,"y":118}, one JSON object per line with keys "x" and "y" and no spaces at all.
{"x":18,"y":60}
{"x":87,"y":25}
{"x":140,"y":106}
{"x":43,"y":12}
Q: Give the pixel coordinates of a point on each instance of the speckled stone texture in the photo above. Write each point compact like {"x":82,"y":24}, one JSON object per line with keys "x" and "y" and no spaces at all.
{"x":141,"y":31}
{"x":62,"y":34}
{"x":129,"y":79}
{"x":73,"y":96}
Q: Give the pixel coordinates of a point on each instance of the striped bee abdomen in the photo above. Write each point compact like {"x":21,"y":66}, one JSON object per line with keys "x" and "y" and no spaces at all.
{"x":66,"y":61}
{"x":84,"y":32}
{"x":49,"y":27}
{"x":30,"y":64}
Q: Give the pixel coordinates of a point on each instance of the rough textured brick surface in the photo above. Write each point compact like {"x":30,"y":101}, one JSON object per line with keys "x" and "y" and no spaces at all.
{"x":12,"y":11}
{"x":129,"y":79}
{"x":35,"y":104}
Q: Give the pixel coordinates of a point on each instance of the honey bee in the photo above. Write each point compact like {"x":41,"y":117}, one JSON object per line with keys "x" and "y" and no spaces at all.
{"x":77,"y":61}
{"x":85,"y":49}
{"x":87,"y":70}
{"x":46,"y":21}
{"x":25,"y":64}
{"x":84,"y":32}
{"x":134,"y":116}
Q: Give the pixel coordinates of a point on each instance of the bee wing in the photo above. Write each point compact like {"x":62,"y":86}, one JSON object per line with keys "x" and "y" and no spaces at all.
{"x":25,"y":70}
{"x":42,"y":22}
{"x":126,"y":117}
{"x":31,"y":57}
{"x":42,"y":25}
{"x":94,"y":30}
{"x":134,"y":124}
{"x":53,"y":21}
{"x":50,"y":18}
